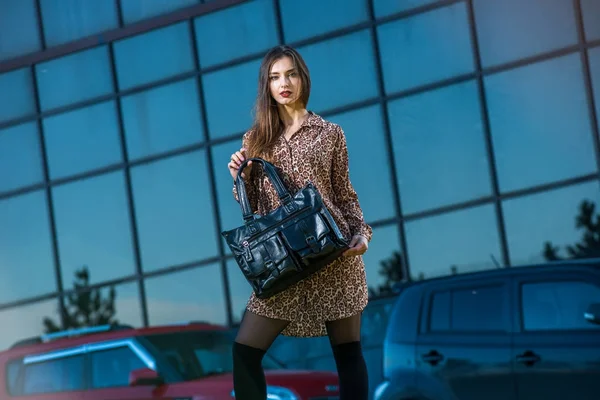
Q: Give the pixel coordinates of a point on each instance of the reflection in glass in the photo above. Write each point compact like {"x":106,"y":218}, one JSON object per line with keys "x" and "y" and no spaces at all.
{"x":239,"y":81}
{"x":591,"y":19}
{"x":239,"y":290}
{"x":16,"y":96}
{"x":387,"y":7}
{"x":20,"y":158}
{"x":18,"y":28}
{"x":439,"y":147}
{"x":511,"y":29}
{"x":190,"y":295}
{"x":235,"y":32}
{"x":93,"y":229}
{"x":369,"y":166}
{"x":174,"y":211}
{"x":425,"y":48}
{"x":383,"y":262}
{"x":167,"y":50}
{"x":69,"y":20}
{"x":82,"y":139}
{"x":540,"y":123}
{"x":26,"y":262}
{"x":162,"y":119}
{"x":551,"y":217}
{"x":457,"y":242}
{"x":25,"y":321}
{"x":594,"y":58}
{"x":350,"y":78}
{"x":316,"y":17}
{"x":74,"y":78}
{"x":136,"y":10}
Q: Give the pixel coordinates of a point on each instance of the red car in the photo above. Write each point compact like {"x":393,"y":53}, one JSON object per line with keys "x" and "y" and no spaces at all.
{"x":175,"y":362}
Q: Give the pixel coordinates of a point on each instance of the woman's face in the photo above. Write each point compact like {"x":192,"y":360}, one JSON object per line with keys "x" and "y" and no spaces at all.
{"x":284,"y":81}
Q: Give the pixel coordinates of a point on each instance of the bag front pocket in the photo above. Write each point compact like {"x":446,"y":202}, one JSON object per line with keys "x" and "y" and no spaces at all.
{"x":308,"y":238}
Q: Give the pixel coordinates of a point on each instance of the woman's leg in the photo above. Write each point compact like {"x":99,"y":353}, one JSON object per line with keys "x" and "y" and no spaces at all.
{"x":344,"y":335}
{"x":255,"y":336}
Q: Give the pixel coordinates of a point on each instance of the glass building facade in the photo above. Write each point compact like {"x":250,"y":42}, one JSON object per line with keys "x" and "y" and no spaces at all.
{"x":472,"y":127}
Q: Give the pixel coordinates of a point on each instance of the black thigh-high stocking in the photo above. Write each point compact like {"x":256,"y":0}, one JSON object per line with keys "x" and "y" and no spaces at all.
{"x":255,"y":336}
{"x":344,"y":335}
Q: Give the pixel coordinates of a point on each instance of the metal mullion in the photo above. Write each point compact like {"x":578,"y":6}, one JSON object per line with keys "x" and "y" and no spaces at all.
{"x":278,"y":21}
{"x":40,"y":24}
{"x":119,"y":13}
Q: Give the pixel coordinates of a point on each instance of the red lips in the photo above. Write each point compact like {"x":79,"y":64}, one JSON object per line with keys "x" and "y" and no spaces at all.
{"x":286,"y":93}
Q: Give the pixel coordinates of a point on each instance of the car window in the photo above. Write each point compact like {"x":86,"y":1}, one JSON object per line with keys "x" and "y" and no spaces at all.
{"x":111,"y":368}
{"x":57,"y":375}
{"x":12,"y":373}
{"x":558,"y":305}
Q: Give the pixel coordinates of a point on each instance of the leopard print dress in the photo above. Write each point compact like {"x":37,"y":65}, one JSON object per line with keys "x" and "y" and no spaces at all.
{"x":316,"y":152}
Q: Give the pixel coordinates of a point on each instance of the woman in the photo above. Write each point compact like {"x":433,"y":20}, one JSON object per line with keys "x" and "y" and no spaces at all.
{"x":303,"y":146}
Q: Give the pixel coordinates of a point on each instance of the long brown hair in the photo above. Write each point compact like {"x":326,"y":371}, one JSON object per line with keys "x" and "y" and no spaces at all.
{"x":267,"y":125}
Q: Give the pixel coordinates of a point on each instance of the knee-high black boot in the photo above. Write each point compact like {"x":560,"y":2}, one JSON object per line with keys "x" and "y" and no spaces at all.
{"x":249,"y":381}
{"x":352,"y":371}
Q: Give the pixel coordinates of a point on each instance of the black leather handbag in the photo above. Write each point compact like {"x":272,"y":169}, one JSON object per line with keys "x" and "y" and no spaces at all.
{"x":288,"y":244}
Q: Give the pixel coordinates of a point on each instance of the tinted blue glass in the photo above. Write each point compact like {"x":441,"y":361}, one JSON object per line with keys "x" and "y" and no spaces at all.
{"x":315,"y":17}
{"x":546,"y":217}
{"x":18,"y":28}
{"x":25,"y":321}
{"x":511,"y":29}
{"x":68,"y":20}
{"x":457,"y":242}
{"x":162,"y":119}
{"x":538,"y":116}
{"x":174,"y":211}
{"x":383,"y":252}
{"x":425,"y":48}
{"x":93,"y":229}
{"x":369,"y":165}
{"x":387,"y":7}
{"x":342,"y":71}
{"x":439,"y":147}
{"x":235,"y":32}
{"x":155,"y":55}
{"x":594,"y":57}
{"x":25,"y":248}
{"x":591,"y":18}
{"x":76,"y":77}
{"x":20,"y":159}
{"x":136,"y":10}
{"x":16,"y":95}
{"x":239,"y":82}
{"x":82,"y":140}
{"x":191,"y":295}
{"x":239,"y":289}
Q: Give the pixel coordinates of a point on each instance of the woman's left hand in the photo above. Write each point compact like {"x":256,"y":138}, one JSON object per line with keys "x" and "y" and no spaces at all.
{"x":358,"y":246}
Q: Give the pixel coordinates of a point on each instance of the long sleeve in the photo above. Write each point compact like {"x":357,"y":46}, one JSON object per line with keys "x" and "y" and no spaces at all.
{"x":251,"y":182}
{"x":345,"y":195}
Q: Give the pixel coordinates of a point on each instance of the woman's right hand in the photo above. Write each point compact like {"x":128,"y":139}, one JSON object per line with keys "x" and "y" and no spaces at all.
{"x":237,"y":159}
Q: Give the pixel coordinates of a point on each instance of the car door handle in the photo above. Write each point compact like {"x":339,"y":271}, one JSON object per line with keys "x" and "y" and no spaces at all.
{"x":528,"y":358}
{"x":433,"y":357}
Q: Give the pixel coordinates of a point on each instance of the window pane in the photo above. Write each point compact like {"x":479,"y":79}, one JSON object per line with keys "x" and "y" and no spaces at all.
{"x":591,"y":19}
{"x":374,"y":190}
{"x":439,"y":147}
{"x":190,"y":295}
{"x":538,"y":116}
{"x":162,"y":119}
{"x":478,"y":309}
{"x":69,"y":20}
{"x":223,"y":119}
{"x":239,"y":289}
{"x":354,"y":58}
{"x":155,"y":55}
{"x":174,"y":211}
{"x":93,"y":229}
{"x":25,"y":248}
{"x":547,"y":217}
{"x":19,"y":33}
{"x":235,"y":32}
{"x":425,"y":48}
{"x":82,"y":140}
{"x":16,"y":94}
{"x":316,"y":17}
{"x":74,"y":78}
{"x":58,"y":375}
{"x":386,"y":7}
{"x":439,"y":319}
{"x":111,"y":368}
{"x":136,"y":10}
{"x":457,"y":242}
{"x":20,"y":159}
{"x":383,"y":262}
{"x":594,"y":58}
{"x":558,"y":305}
{"x":511,"y":29}
{"x":25,"y":321}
